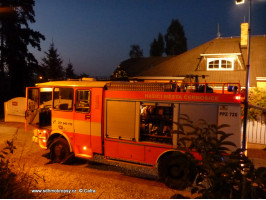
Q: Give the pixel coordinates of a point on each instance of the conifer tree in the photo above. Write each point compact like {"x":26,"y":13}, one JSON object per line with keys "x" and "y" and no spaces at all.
{"x":135,"y":51}
{"x":17,"y":63}
{"x":70,"y":71}
{"x":52,"y":68}
{"x":175,"y":39}
{"x":157,"y":46}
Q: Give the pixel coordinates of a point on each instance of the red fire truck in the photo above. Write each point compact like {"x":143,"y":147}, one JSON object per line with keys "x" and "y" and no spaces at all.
{"x":133,"y":122}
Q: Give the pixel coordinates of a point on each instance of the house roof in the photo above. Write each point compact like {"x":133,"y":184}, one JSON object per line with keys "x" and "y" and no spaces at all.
{"x":191,"y":62}
{"x":135,"y":66}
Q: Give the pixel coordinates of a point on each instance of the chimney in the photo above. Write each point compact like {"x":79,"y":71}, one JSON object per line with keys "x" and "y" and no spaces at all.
{"x":244,"y":35}
{"x":218,"y":31}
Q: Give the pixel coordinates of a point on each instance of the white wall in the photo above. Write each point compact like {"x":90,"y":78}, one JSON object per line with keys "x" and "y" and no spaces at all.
{"x":15,"y":110}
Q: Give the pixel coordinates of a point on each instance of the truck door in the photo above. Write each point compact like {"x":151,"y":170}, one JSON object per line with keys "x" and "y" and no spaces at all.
{"x":62,"y":113}
{"x":33,"y":99}
{"x":82,"y":122}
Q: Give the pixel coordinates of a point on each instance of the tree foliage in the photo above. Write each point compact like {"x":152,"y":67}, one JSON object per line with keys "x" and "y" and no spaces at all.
{"x":257,"y":98}
{"x":175,"y":39}
{"x":52,"y":65}
{"x":84,"y":75}
{"x":119,"y":74}
{"x":18,"y":64}
{"x":135,"y":51}
{"x":70,"y":71}
{"x":157,"y":46}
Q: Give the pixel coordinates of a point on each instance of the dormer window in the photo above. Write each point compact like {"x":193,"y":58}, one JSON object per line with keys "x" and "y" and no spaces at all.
{"x":220,"y":64}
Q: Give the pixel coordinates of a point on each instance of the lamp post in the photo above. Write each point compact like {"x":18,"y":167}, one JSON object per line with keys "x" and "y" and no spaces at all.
{"x":247,"y":76}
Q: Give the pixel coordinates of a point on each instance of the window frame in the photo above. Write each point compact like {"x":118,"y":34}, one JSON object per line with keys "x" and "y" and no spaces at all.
{"x":76,"y":101}
{"x":161,"y":136}
{"x":220,"y":68}
{"x":63,"y":110}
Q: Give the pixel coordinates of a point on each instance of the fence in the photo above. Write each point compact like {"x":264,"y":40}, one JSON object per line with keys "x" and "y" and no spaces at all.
{"x":256,"y":129}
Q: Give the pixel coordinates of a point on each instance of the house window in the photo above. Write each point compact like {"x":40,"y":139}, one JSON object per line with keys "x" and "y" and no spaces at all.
{"x":220,"y":63}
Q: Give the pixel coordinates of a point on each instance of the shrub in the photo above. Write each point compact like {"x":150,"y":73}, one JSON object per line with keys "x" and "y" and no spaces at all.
{"x":257,"y":98}
{"x":12,"y":186}
{"x":220,"y":174}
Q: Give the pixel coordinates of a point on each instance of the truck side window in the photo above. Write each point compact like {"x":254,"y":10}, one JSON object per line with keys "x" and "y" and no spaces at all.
{"x":156,"y":122}
{"x":63,"y":99}
{"x":46,"y":98}
{"x":83,"y":98}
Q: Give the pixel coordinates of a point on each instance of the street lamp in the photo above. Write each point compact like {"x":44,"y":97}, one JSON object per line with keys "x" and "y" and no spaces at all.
{"x":240,"y":2}
{"x":247,"y":76}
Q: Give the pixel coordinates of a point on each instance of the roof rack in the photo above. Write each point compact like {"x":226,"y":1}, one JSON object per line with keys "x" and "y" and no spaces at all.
{"x":139,"y":86}
{"x":193,"y":87}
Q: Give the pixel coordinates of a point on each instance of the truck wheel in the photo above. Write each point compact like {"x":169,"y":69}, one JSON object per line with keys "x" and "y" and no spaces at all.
{"x":177,"y":171}
{"x":59,"y":150}
{"x":261,"y":175}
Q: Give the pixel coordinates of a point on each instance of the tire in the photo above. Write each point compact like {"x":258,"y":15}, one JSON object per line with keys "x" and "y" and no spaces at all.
{"x":59,"y":151}
{"x":261,"y":175}
{"x":177,"y":171}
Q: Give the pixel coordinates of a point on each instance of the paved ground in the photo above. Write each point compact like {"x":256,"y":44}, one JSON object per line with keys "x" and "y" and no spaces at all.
{"x":84,"y":179}
{"x":89,"y":179}
{"x":257,"y":153}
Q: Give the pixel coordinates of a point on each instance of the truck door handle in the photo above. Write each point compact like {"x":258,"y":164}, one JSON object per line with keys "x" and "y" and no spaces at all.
{"x":87,"y":117}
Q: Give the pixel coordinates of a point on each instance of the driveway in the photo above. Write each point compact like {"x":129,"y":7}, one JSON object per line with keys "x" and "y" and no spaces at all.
{"x":83,"y":179}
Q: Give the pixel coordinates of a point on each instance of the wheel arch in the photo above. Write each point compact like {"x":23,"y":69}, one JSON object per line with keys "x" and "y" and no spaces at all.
{"x":58,"y":134}
{"x":168,"y":153}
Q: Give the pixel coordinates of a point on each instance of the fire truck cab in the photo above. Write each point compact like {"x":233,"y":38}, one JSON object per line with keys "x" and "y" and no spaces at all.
{"x":127,"y":121}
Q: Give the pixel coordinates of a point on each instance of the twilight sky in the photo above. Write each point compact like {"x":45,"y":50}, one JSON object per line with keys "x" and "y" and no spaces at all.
{"x":95,"y":35}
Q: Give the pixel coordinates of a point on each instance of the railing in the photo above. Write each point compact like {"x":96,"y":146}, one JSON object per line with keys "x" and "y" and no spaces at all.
{"x":204,"y":87}
{"x":207,"y":87}
{"x":256,"y":128}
